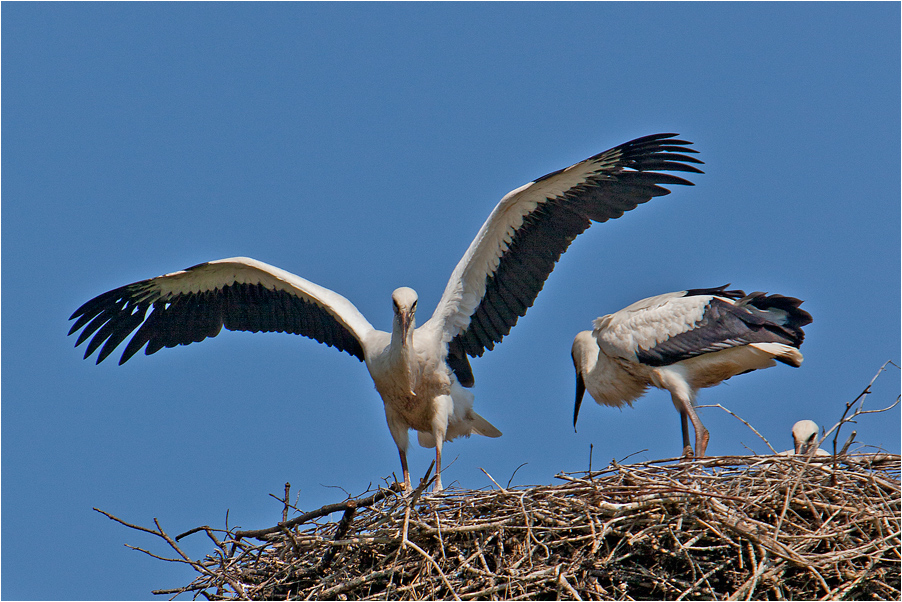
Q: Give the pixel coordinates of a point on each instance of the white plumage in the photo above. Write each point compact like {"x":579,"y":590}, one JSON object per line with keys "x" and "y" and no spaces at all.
{"x":804,"y":438}
{"x":421,"y":373}
{"x":683,"y":342}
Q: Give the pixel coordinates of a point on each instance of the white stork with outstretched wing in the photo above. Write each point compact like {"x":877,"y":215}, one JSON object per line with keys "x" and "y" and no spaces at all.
{"x":421,"y":373}
{"x":683,"y":342}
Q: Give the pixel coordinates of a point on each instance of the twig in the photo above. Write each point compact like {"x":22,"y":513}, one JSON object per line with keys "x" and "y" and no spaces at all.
{"x":192,"y":531}
{"x":516,"y":470}
{"x":343,"y":525}
{"x":412,"y":499}
{"x":848,"y":442}
{"x":736,"y":416}
{"x":435,"y":566}
{"x":500,"y":488}
{"x":861,"y":397}
{"x":562,"y":579}
{"x":285,"y":508}
{"x":324,"y":511}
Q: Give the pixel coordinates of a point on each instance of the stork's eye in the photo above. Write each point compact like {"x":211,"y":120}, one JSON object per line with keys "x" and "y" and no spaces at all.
{"x":414,"y":306}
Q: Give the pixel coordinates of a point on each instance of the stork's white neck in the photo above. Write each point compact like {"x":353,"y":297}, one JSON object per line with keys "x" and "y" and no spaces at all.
{"x":401,"y":353}
{"x":585,"y":351}
{"x":401,"y":342}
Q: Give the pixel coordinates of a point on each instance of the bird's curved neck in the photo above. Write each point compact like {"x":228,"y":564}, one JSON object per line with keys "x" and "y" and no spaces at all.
{"x":400,"y":346}
{"x":585,"y":352}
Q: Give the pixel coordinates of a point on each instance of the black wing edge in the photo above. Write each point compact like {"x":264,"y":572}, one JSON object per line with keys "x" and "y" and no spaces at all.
{"x":656,"y":152}
{"x":191,"y":318}
{"x":719,"y":291}
{"x":458,"y":362}
{"x":546,"y":233}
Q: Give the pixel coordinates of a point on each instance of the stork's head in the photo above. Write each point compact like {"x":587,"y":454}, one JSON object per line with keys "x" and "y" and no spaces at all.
{"x":404,"y":303}
{"x":804,"y":435}
{"x":584,"y":350}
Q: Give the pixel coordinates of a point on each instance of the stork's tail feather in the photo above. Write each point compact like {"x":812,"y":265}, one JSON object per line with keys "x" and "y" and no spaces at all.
{"x":782,"y":353}
{"x":483,"y":427}
{"x":783,"y":311}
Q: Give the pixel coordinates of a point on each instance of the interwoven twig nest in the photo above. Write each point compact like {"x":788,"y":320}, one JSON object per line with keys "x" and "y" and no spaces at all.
{"x":745,"y":527}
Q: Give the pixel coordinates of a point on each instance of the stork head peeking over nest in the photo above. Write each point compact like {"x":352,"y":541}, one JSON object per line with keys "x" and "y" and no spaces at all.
{"x":804,"y":438}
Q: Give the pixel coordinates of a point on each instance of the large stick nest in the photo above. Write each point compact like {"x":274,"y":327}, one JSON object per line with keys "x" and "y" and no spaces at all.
{"x":750,"y":527}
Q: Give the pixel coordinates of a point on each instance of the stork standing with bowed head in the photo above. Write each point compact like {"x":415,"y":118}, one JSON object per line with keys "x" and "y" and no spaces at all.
{"x":421,"y":373}
{"x":683,"y":342}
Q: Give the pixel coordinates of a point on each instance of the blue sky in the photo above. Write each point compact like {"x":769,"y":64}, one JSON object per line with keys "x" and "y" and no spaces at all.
{"x":361,"y":147}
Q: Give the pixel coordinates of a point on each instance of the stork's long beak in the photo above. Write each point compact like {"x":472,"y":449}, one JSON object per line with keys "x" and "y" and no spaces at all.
{"x":803,"y":447}
{"x":406,"y":319}
{"x":580,"y":391}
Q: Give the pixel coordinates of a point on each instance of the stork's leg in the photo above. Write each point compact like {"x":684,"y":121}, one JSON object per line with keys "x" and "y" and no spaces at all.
{"x":673,"y":378}
{"x":701,"y":433}
{"x":439,"y":439}
{"x":684,"y":423}
{"x":443,"y":408}
{"x":407,"y":485}
{"x":398,"y":428}
{"x":683,"y":402}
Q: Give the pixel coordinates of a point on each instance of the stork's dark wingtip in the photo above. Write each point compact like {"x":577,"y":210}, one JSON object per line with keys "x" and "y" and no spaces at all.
{"x":680,"y":145}
{"x":664,"y":136}
{"x":655,"y":137}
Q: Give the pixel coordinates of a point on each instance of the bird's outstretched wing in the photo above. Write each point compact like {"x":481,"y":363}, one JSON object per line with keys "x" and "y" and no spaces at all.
{"x":193,"y":304}
{"x":508,"y":262}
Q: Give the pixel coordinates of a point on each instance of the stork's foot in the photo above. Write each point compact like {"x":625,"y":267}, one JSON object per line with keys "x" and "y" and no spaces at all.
{"x":688,"y":454}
